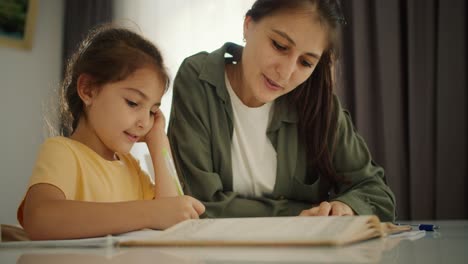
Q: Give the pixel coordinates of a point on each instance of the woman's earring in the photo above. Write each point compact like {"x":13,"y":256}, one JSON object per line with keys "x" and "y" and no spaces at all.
{"x":244,"y":40}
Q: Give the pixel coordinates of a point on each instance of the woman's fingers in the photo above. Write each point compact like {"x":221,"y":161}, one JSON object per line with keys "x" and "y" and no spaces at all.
{"x":310,"y":212}
{"x":334,"y":208}
{"x":324,"y":209}
{"x":341,"y":209}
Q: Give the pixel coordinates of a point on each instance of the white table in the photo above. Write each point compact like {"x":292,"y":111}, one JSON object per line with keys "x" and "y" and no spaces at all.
{"x":447,"y":245}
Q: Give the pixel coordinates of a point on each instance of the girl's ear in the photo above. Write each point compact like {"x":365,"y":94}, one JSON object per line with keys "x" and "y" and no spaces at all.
{"x":84,"y":87}
{"x":247,"y":22}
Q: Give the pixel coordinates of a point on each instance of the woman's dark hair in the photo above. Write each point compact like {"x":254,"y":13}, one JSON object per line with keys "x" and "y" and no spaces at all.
{"x":108,"y":54}
{"x":314,"y":98}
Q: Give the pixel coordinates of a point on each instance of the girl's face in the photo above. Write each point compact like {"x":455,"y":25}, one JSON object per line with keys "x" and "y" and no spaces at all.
{"x":121,"y":113}
{"x":280,"y":53}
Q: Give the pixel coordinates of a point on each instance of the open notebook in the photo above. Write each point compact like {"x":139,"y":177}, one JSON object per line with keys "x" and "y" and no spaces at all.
{"x":257,"y":231}
{"x":270,"y":231}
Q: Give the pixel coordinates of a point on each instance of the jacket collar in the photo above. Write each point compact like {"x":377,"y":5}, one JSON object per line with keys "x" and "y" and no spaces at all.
{"x":214,"y":68}
{"x":284,"y":112}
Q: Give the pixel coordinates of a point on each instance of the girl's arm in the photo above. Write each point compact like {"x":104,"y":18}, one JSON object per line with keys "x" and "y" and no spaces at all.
{"x":48,"y":215}
{"x":157,"y":142}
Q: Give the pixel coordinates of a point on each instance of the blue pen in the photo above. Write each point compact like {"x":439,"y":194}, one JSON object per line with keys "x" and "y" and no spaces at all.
{"x":425,"y":227}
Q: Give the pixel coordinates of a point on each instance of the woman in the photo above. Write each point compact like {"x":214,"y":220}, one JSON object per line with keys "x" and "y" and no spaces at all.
{"x":257,"y":130}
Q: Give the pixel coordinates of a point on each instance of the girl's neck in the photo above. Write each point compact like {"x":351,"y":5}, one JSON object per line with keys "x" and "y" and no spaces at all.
{"x":87,"y":137}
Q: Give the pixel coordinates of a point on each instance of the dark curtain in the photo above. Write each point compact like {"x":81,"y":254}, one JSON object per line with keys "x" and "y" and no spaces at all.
{"x":80,"y":17}
{"x":403,"y":78}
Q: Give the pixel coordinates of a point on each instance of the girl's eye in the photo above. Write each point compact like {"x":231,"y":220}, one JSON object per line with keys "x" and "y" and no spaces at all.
{"x":278,"y":46}
{"x":154,"y":111}
{"x":306,"y":63}
{"x":131,"y":103}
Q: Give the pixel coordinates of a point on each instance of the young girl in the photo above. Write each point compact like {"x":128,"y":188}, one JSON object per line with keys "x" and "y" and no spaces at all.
{"x":87,"y":184}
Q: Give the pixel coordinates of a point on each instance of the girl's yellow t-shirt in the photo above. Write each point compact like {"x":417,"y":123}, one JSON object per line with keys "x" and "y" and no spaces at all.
{"x":83,"y":175}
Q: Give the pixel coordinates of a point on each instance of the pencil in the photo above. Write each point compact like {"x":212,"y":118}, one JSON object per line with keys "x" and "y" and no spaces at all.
{"x":172,"y":171}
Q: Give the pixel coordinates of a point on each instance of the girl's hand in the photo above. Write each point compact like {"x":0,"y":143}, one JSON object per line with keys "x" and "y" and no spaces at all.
{"x":158,"y":128}
{"x":170,"y":211}
{"x":336,"y":208}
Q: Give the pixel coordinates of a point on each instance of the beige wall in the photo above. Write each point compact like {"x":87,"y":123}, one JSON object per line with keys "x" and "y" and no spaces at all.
{"x":27,"y":79}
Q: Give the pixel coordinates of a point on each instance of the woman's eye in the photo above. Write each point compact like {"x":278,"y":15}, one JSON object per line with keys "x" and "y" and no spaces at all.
{"x":306,"y":63}
{"x":278,"y":46}
{"x":152,"y":113}
{"x":131,"y":103}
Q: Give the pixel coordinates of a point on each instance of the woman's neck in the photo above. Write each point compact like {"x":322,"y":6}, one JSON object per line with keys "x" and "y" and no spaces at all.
{"x":239,"y":85}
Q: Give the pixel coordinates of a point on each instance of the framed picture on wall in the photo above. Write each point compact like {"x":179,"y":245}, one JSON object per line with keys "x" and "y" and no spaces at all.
{"x":17,"y":23}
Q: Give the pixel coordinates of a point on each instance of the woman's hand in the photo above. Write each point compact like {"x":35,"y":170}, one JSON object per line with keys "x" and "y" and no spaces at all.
{"x":170,"y":211}
{"x":336,"y":208}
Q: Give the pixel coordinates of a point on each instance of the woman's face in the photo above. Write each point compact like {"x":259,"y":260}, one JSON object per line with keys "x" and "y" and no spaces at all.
{"x":280,"y":53}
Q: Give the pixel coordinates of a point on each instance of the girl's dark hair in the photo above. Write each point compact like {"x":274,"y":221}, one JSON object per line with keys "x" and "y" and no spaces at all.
{"x":108,"y":54}
{"x":314,"y":98}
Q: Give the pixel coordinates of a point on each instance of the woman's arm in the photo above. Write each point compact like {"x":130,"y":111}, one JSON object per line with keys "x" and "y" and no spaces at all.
{"x":367,"y":191}
{"x":48,"y":215}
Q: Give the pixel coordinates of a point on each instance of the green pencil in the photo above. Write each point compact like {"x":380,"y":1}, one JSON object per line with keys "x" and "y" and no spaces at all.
{"x":172,"y":171}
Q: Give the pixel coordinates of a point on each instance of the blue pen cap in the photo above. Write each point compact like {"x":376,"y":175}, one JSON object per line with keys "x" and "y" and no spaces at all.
{"x":427,"y":227}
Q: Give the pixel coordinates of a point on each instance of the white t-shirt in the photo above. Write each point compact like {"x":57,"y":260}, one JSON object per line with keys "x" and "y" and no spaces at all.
{"x":253,"y":155}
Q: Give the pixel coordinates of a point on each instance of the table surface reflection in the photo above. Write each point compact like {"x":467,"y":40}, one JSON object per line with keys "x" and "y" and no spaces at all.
{"x":447,"y":245}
